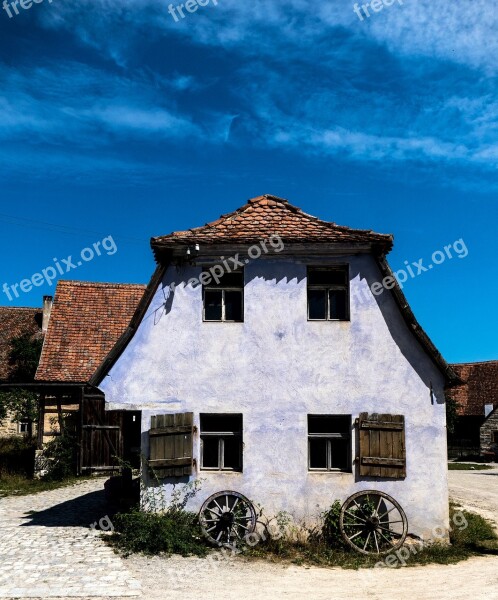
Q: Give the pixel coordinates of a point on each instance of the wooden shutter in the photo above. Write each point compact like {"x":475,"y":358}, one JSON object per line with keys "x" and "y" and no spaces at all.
{"x":171,"y":444}
{"x":382,"y":445}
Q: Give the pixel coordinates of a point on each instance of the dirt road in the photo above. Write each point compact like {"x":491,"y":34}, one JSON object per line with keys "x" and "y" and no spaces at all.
{"x":476,"y":491}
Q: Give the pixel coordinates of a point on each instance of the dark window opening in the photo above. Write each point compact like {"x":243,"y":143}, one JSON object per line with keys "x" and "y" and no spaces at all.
{"x":224,"y":298}
{"x":329,"y":441}
{"x":328,"y":294}
{"x":23,"y":426}
{"x":221,"y":442}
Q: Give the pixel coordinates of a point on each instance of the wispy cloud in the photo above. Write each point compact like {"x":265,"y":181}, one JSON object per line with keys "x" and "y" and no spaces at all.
{"x":412,"y":84}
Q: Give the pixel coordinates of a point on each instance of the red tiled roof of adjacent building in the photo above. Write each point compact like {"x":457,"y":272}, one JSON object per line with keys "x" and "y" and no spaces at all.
{"x":268,"y":215}
{"x":86,"y":321}
{"x":480,"y":387}
{"x":15,"y":322}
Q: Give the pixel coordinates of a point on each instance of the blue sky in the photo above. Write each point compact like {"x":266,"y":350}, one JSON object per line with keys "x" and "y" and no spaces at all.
{"x":117,"y":120}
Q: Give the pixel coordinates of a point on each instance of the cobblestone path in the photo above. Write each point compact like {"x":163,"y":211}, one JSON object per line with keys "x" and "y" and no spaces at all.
{"x":48,"y":549}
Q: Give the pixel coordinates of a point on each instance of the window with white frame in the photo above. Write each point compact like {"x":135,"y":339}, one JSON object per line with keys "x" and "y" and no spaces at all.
{"x":23,"y":427}
{"x":328,"y":293}
{"x":221,"y":442}
{"x":224,"y":300}
{"x":329,"y":442}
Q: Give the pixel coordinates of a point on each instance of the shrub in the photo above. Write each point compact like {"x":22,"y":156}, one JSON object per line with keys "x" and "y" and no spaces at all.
{"x":331,"y":531}
{"x":174,"y":532}
{"x":60,"y":456}
{"x":17,"y":456}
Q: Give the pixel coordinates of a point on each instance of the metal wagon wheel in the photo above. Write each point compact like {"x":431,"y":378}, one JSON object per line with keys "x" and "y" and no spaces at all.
{"x":227,"y":518}
{"x":373,"y":523}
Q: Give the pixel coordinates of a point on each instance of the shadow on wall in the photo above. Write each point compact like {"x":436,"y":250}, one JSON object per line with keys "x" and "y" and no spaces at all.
{"x":400,"y":332}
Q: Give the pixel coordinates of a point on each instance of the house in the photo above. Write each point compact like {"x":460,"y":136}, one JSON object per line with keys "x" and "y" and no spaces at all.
{"x":273,"y":354}
{"x":86,"y":321}
{"x":476,"y":428}
{"x":16,"y":323}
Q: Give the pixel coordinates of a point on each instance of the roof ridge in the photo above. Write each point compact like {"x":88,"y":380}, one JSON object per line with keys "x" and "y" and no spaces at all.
{"x":98,"y":283}
{"x":477,"y":362}
{"x":21,"y":307}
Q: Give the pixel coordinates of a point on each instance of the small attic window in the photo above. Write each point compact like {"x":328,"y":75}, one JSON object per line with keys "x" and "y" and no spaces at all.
{"x":224,"y":298}
{"x":328,"y":293}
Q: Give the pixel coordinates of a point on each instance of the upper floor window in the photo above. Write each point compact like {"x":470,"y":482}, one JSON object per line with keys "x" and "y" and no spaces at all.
{"x":328,"y":293}
{"x":224,"y":300}
{"x":221,"y":442}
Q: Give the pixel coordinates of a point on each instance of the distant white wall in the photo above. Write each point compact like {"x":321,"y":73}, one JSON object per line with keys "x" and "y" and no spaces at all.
{"x":276,"y":368}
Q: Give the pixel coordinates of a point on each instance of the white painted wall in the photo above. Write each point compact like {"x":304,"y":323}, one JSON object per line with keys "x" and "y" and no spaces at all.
{"x":276,"y":368}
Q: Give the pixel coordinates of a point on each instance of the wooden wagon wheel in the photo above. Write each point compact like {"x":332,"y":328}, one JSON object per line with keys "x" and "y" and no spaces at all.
{"x":227,"y":518}
{"x":373,"y":522}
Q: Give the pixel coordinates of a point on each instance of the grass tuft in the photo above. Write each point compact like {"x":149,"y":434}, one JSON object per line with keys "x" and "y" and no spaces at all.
{"x":468,"y":467}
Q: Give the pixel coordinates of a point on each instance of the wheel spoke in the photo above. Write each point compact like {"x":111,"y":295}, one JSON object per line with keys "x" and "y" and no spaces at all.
{"x":386,"y":513}
{"x":389,"y":530}
{"x":376,"y":542}
{"x":366,"y":543}
{"x":378,"y":505}
{"x":387,"y":540}
{"x":355,"y":535}
{"x":219,"y":507}
{"x":355,"y":516}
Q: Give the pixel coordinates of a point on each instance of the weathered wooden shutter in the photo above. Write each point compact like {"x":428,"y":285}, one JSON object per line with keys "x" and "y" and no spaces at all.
{"x":171,"y":444}
{"x":382,"y":445}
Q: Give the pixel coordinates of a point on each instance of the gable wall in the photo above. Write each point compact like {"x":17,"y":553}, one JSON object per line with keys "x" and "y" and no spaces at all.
{"x":276,"y":368}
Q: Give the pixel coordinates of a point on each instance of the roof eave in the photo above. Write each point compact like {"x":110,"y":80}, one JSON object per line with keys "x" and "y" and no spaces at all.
{"x":165,"y":251}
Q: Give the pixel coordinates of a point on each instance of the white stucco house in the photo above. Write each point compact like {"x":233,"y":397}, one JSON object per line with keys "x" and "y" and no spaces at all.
{"x":273,"y":354}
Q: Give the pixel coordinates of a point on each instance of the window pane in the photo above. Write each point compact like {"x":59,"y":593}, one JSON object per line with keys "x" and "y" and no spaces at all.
{"x":233,"y":306}
{"x":336,"y":276}
{"x":210,"y":453}
{"x":212,"y":305}
{"x":318,"y":454}
{"x":232,"y":453}
{"x":338,"y":304}
{"x":340,"y":454}
{"x":329,"y":423}
{"x":317,"y":305}
{"x":221,"y":423}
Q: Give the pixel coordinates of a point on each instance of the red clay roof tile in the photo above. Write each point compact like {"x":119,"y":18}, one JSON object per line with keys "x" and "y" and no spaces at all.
{"x":265,"y":216}
{"x":86,"y":321}
{"x":480,"y":387}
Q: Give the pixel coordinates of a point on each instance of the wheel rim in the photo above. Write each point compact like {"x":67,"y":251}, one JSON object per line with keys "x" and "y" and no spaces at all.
{"x":227,"y":518}
{"x":373,"y":522}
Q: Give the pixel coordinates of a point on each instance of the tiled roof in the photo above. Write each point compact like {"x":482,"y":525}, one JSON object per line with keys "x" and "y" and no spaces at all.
{"x":268,"y":215}
{"x":480,"y":387}
{"x":86,"y":321}
{"x":15,"y":322}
